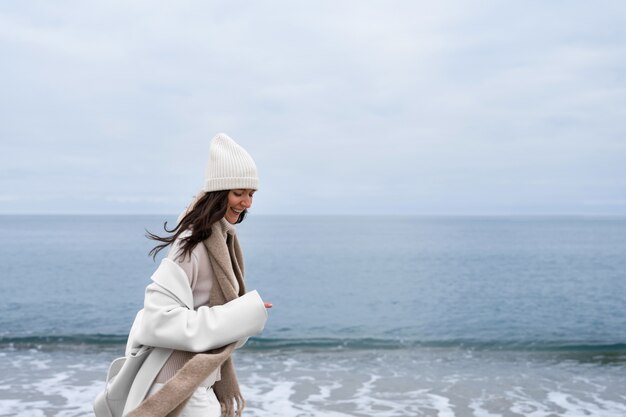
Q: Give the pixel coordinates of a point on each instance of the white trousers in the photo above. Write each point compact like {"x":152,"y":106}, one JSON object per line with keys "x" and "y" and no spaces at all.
{"x":203,"y":402}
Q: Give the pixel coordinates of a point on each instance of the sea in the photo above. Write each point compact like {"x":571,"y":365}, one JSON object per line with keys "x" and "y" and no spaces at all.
{"x":372,"y":316}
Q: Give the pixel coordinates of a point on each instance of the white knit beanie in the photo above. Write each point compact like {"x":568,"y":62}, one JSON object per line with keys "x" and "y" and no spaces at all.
{"x":230,"y":166}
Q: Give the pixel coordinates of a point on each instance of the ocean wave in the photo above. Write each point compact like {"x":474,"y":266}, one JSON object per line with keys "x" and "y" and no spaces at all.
{"x":264,"y":343}
{"x":34,"y":341}
{"x":374,"y":343}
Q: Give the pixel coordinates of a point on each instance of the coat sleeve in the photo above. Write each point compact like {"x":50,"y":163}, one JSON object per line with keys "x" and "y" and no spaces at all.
{"x":168,"y":322}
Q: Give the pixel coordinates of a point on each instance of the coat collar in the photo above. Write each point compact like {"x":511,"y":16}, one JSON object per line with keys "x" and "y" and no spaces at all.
{"x":173,"y":278}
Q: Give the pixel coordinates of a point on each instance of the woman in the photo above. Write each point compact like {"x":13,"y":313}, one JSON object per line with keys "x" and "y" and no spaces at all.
{"x":197,"y":302}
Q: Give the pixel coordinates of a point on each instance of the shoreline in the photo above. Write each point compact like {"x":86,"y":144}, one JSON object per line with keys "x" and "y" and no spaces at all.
{"x":314,"y":382}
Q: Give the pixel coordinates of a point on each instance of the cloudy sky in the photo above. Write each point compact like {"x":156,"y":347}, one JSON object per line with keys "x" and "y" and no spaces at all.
{"x":348,"y":107}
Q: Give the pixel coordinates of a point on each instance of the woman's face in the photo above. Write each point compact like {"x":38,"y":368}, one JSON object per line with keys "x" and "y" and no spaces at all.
{"x":238,"y":201}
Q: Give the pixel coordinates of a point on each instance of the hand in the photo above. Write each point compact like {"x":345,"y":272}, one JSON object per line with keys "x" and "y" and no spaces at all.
{"x":268,"y":305}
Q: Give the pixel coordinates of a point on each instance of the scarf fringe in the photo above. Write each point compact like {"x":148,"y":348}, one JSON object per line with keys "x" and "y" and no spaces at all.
{"x":227,"y":391}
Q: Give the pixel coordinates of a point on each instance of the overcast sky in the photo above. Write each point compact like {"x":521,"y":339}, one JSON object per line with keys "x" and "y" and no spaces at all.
{"x":347,"y":107}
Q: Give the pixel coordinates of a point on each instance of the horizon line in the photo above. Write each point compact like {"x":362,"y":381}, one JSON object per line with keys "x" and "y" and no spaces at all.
{"x":345,"y":214}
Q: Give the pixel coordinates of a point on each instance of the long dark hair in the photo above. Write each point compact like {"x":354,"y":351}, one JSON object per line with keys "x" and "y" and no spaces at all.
{"x":210,"y":208}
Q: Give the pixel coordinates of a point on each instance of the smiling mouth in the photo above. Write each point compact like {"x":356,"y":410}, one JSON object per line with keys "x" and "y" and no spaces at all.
{"x":236,"y":212}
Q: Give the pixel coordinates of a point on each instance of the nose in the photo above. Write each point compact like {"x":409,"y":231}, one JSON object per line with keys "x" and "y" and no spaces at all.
{"x":247,"y":202}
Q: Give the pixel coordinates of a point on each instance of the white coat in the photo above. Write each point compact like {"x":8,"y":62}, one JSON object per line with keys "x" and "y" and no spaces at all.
{"x":168,"y":321}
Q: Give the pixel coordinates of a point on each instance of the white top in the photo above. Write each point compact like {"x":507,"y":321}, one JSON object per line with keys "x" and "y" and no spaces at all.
{"x":197,"y":267}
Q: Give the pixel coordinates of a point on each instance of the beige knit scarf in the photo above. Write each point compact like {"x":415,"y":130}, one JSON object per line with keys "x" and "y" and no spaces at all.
{"x":227,"y":263}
